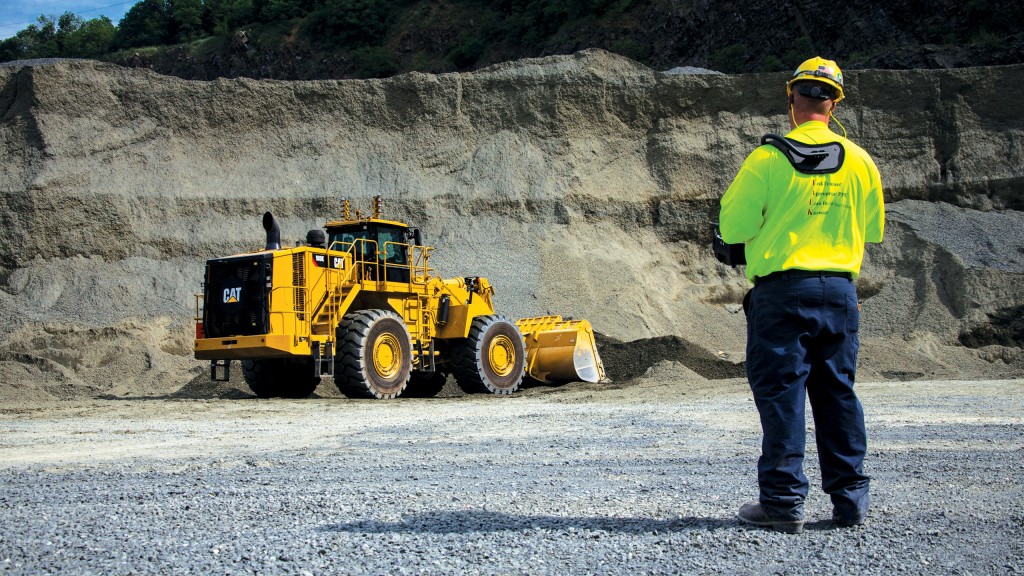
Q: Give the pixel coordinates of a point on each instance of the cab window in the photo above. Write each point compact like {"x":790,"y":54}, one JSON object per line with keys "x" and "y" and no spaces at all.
{"x":343,"y":240}
{"x":389,"y":241}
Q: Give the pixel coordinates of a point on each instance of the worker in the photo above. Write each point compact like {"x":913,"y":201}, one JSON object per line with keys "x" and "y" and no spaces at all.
{"x":804,"y":206}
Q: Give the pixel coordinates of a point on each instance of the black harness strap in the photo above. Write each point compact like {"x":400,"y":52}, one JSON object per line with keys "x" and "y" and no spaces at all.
{"x":809,"y":158}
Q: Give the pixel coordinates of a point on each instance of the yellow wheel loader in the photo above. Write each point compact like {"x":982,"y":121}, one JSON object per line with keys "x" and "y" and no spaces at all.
{"x":359,"y":302}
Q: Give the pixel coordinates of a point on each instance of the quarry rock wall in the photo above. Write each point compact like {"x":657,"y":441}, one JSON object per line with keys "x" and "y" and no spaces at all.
{"x":580,"y":185}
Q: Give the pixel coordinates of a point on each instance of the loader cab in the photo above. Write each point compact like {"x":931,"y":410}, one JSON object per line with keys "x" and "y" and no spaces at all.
{"x":380,"y":247}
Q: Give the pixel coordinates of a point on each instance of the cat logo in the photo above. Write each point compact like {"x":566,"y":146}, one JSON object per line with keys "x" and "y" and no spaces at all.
{"x":232,"y":295}
{"x":321,"y":261}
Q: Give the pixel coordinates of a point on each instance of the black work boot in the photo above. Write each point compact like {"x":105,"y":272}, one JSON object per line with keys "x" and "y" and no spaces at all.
{"x":846,"y":514}
{"x":847,"y":521}
{"x":754,"y":513}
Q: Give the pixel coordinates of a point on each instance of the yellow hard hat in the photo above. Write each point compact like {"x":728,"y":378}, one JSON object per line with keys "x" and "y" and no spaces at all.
{"x":819,"y":70}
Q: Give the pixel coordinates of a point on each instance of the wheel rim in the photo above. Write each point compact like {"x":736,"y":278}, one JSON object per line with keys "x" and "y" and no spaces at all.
{"x":501,"y":355}
{"x":387,"y":356}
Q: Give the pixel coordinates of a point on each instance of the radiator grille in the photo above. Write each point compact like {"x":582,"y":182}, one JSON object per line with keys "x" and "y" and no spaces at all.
{"x":235,"y":301}
{"x":299,"y":282}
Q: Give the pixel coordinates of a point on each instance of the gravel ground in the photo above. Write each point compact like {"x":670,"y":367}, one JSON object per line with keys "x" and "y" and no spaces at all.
{"x":638,"y":479}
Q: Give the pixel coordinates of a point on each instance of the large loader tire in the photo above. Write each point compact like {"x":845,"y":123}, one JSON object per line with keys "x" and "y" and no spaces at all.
{"x":492,"y":358}
{"x":374,"y":356}
{"x":280,"y":377}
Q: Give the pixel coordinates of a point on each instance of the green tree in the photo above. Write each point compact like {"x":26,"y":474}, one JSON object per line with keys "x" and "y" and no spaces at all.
{"x":67,"y":25}
{"x":185,"y":19}
{"x":351,"y":23}
{"x":41,"y":40}
{"x":11,"y":49}
{"x":223,"y":16}
{"x":93,"y":38}
{"x":66,"y":35}
{"x":801,"y":49}
{"x":773,"y":64}
{"x":467,"y":51}
{"x":275,"y":10}
{"x":145,"y":24}
{"x":373,"y":62}
{"x":731,"y":59}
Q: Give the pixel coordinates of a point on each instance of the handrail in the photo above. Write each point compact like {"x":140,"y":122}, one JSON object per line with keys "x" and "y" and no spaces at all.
{"x":373,"y":265}
{"x":329,"y":288}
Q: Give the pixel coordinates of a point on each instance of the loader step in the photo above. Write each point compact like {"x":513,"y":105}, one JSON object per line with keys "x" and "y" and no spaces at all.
{"x":220,"y":370}
{"x":323,"y":362}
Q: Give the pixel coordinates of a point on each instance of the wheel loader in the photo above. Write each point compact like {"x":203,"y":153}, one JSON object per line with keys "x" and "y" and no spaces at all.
{"x":359,"y":302}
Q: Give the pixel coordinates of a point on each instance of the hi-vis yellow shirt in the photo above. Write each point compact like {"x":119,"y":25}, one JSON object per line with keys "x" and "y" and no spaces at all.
{"x":791,"y":220}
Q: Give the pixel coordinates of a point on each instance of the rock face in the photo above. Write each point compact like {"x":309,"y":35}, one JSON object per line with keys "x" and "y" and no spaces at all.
{"x":579,"y":185}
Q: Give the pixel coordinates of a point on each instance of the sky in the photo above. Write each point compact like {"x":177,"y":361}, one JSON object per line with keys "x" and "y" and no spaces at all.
{"x":16,"y":15}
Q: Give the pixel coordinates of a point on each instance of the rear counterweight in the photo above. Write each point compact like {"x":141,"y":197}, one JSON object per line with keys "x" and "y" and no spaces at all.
{"x":235,"y":298}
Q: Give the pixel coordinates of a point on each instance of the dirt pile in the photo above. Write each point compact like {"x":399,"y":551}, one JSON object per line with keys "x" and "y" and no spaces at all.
{"x":579,"y":185}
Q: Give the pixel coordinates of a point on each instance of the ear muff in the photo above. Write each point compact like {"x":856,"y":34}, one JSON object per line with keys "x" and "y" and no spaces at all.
{"x":814,"y":90}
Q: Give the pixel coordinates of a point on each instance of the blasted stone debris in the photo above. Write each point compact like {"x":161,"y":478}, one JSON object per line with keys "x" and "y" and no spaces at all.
{"x":580,"y":185}
{"x":690,"y":70}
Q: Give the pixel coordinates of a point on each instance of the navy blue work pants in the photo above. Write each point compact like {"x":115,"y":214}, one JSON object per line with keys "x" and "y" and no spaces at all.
{"x":802,"y":343}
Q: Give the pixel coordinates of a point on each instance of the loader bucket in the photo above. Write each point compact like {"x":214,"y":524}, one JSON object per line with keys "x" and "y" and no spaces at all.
{"x":560,"y":350}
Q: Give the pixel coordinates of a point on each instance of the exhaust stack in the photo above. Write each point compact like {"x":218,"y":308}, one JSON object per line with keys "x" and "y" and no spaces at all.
{"x":273,"y":232}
